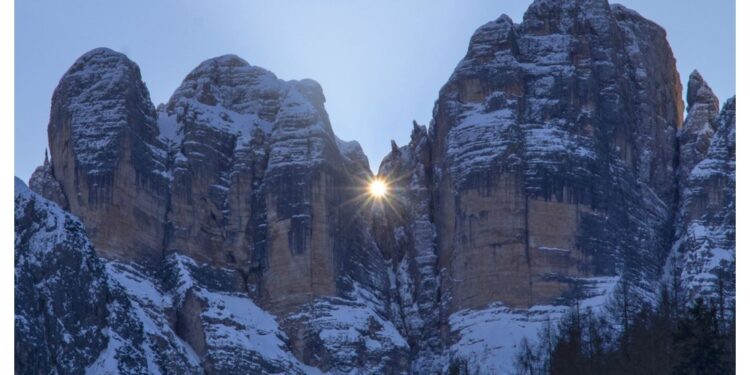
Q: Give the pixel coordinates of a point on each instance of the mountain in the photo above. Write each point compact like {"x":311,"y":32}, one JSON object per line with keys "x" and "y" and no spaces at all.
{"x":235,"y":192}
{"x":551,"y":170}
{"x":229,"y":231}
{"x":703,"y":255}
{"x":78,"y":313}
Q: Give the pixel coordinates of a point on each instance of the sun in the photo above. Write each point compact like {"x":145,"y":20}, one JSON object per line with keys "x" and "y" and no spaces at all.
{"x":378,"y":188}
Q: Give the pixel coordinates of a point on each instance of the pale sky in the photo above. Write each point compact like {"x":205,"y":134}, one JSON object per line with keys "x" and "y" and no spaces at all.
{"x":380,"y":63}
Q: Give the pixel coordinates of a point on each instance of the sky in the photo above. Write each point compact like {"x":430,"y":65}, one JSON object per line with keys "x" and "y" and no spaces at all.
{"x":380,"y":63}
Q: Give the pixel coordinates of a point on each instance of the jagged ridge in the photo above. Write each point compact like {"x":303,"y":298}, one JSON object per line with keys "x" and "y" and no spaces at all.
{"x":233,"y":239}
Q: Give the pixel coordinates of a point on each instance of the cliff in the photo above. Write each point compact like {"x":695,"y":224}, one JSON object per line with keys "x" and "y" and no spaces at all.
{"x":230,"y":231}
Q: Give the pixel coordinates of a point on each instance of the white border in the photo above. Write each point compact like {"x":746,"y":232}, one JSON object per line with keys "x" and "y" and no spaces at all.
{"x":6,"y":185}
{"x":7,"y":315}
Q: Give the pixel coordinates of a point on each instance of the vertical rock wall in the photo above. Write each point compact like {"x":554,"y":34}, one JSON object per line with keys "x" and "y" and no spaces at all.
{"x":554,"y":142}
{"x":703,"y":255}
{"x":107,"y":157}
{"x":237,"y":236}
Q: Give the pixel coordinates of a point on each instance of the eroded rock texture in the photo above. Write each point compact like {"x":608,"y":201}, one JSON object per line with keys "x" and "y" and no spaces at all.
{"x":240,"y":176}
{"x":408,"y":233}
{"x":554,"y":143}
{"x":552,"y":166}
{"x":72,"y":316}
{"x":107,"y":157}
{"x":228,"y":230}
{"x":43,"y":181}
{"x":703,"y":257}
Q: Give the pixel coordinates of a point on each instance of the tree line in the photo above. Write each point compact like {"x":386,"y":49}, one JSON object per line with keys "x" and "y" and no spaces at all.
{"x":632,"y":336}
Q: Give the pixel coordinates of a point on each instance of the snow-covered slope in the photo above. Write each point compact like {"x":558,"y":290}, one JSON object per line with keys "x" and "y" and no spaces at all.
{"x":75,"y":313}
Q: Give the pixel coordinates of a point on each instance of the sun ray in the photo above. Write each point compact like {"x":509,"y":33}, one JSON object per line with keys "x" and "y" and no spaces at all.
{"x":381,"y":193}
{"x":378,"y":188}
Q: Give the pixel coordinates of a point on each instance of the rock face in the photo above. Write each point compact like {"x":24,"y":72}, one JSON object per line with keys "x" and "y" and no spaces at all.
{"x":554,"y":142}
{"x":551,"y":165}
{"x":77,"y":313}
{"x":229,"y":231}
{"x":239,"y":176}
{"x":703,"y":256}
{"x":107,"y":157}
{"x":261,"y":185}
{"x":72,"y":315}
{"x":50,"y":242}
{"x":254,"y":158}
{"x":43,"y":181}
{"x":409,"y":235}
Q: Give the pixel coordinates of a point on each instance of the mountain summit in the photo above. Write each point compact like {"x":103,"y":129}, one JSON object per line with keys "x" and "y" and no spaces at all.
{"x":229,"y":231}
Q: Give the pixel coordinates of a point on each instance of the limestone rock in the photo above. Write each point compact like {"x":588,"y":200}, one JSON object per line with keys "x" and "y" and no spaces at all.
{"x":550,"y":139}
{"x":43,"y":182}
{"x":407,"y":231}
{"x":261,"y":185}
{"x":550,"y":171}
{"x":241,"y":176}
{"x":107,"y":157}
{"x":73,"y":315}
{"x":229,"y":230}
{"x":49,"y":242}
{"x":704,"y":253}
{"x":216,"y":125}
{"x":695,"y":134}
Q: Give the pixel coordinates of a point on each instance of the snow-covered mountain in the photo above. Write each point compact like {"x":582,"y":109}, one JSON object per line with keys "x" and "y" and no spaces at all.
{"x":703,"y":254}
{"x":231,"y":213}
{"x":226,"y":232}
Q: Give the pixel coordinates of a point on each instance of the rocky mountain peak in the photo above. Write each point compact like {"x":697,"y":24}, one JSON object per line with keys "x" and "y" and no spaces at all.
{"x":100,"y":93}
{"x":231,"y":230}
{"x":227,"y":81}
{"x":704,"y":251}
{"x":103,"y":141}
{"x":103,"y":59}
{"x":492,"y":37}
{"x":311,"y":90}
{"x":545,"y":17}
{"x":352,"y":150}
{"x":44,"y":183}
{"x":699,"y":126}
{"x":102,"y":73}
{"x":699,"y":92}
{"x":542,"y":127}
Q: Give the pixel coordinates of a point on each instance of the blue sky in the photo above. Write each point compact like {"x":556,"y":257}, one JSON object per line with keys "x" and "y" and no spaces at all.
{"x":381,"y":64}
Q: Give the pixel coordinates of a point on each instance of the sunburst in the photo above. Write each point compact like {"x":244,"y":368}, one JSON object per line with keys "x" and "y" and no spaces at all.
{"x":381,"y":193}
{"x":378,"y":188}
